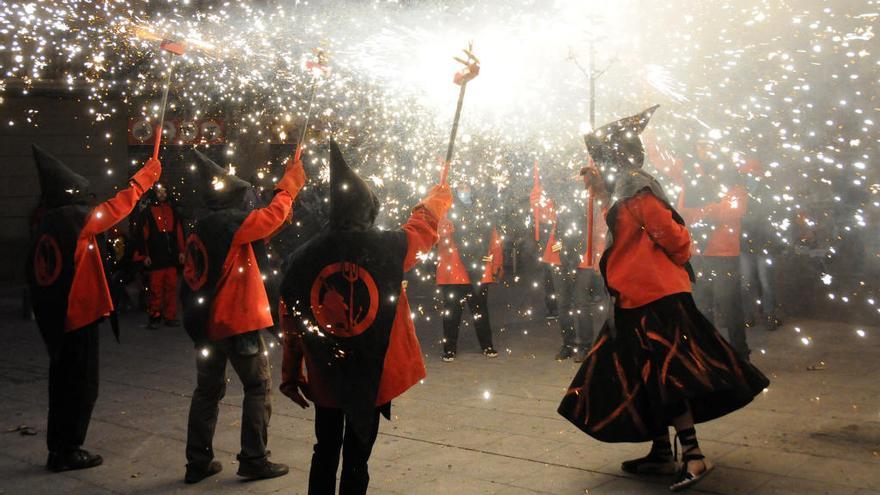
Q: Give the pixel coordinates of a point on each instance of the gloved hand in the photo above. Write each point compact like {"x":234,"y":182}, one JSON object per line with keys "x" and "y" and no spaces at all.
{"x":148,"y":174}
{"x":439,"y":200}
{"x":292,"y":391}
{"x":294,"y":177}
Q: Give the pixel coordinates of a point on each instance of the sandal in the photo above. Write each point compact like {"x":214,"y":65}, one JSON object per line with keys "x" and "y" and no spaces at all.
{"x":658,"y":461}
{"x":686,"y":479}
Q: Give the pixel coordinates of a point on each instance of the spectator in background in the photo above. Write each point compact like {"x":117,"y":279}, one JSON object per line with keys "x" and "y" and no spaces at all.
{"x":162,"y":257}
{"x":756,"y":247}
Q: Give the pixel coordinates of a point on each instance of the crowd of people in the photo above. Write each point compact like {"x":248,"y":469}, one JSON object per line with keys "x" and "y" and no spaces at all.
{"x":619,"y":261}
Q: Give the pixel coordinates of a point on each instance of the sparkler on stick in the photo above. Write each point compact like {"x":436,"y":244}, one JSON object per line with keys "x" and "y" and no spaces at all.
{"x":174,"y":48}
{"x":592,"y":76}
{"x":318,"y":67}
{"x":592,"y":181}
{"x":468,"y":73}
{"x":536,"y":190}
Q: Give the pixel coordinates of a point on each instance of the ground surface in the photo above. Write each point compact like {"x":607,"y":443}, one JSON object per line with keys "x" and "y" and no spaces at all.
{"x":812,"y":432}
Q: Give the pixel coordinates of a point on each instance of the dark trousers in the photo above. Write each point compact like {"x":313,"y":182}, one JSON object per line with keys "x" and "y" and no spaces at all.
{"x":334,"y":435}
{"x":580,"y":296}
{"x":757,"y":284}
{"x":252,"y":367}
{"x":73,"y":385}
{"x":454,"y":299}
{"x":718,"y":294}
{"x":550,"y":303}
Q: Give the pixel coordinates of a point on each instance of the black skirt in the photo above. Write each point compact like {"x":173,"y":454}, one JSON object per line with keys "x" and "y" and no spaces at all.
{"x":641,"y":370}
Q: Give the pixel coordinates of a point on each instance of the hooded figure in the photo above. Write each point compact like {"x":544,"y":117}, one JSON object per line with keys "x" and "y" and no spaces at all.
{"x":659,"y":362}
{"x":350,"y":343}
{"x":225,"y":305}
{"x":70,"y":296}
{"x":619,"y":155}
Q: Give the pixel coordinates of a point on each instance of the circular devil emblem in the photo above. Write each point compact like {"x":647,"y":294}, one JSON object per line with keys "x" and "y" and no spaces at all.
{"x":195,"y":269}
{"x":47,"y":261}
{"x":344,"y":299}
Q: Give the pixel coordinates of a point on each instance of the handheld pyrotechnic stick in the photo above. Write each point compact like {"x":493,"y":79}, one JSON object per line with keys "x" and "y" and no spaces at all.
{"x":175,"y":48}
{"x":469,"y":72}
{"x":318,"y":66}
{"x":536,"y":188}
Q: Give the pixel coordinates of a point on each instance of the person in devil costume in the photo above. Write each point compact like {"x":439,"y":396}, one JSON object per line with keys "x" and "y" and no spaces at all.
{"x":70,"y":297}
{"x":225,"y":305}
{"x":349,"y":341}
{"x":470,"y":259}
{"x":163,"y":256}
{"x":658,"y":361}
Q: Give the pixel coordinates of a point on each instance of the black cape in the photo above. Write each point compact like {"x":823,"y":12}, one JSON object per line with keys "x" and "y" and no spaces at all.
{"x":206,"y":249}
{"x":50,"y":268}
{"x":342,"y":289}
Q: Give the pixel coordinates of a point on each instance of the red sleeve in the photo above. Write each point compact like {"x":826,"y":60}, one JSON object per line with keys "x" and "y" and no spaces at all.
{"x":263,"y":222}
{"x":115,"y":209}
{"x":421,"y":235}
{"x":656,"y":218}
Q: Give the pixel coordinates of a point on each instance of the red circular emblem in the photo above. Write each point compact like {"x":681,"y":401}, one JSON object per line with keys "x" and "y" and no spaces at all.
{"x":47,"y":261}
{"x":195,"y":268}
{"x":344,"y":299}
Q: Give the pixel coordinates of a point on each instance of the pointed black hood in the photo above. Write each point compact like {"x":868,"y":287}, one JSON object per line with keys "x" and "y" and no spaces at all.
{"x":220,"y":189}
{"x":353,"y":206}
{"x":618,"y":144}
{"x":616,"y":147}
{"x":59,"y":184}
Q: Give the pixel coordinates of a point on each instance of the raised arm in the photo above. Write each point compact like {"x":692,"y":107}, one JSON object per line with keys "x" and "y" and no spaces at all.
{"x":656,"y":218}
{"x":115,"y":209}
{"x":421,"y":228}
{"x":264,"y":222}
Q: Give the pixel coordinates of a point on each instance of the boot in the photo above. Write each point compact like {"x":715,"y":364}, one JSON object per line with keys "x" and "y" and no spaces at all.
{"x":261,"y":469}
{"x":69,"y":461}
{"x":195,"y":474}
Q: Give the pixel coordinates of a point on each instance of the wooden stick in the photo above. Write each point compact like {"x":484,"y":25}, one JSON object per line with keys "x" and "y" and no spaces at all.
{"x":161,"y":123}
{"x":455,"y":120}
